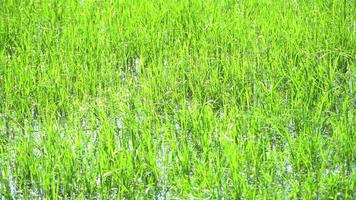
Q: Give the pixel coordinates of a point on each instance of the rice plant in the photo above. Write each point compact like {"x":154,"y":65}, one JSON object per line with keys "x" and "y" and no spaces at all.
{"x":168,"y":99}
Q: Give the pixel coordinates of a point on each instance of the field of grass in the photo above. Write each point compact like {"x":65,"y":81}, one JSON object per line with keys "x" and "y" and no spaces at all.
{"x":177,"y":99}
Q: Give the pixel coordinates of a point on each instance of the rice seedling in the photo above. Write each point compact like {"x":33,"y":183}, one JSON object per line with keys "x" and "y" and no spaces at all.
{"x":184,"y":99}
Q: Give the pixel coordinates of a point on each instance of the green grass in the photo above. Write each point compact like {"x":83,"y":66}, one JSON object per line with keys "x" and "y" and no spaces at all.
{"x":189,"y":99}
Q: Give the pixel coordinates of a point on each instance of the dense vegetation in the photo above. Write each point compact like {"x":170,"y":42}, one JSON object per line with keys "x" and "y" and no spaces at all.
{"x":177,"y":99}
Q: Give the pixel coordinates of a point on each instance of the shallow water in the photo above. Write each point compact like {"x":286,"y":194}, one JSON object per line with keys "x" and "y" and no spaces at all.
{"x":164,"y":158}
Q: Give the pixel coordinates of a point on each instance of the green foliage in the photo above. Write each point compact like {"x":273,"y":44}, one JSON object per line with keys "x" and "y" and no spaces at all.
{"x":177,"y":99}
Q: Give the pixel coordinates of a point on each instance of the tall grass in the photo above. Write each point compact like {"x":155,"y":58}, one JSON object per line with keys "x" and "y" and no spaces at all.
{"x":177,"y":99}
